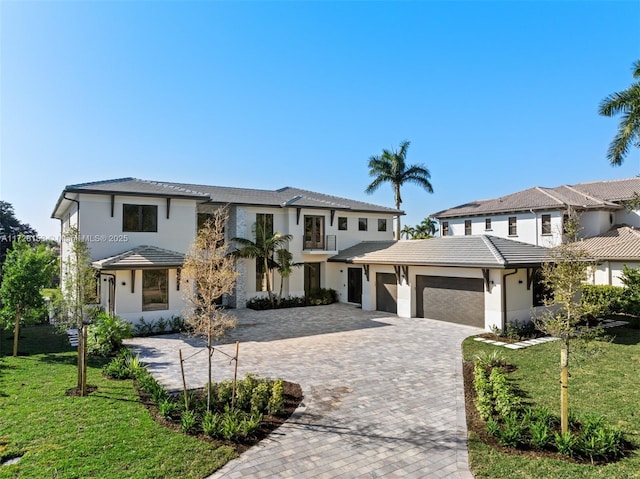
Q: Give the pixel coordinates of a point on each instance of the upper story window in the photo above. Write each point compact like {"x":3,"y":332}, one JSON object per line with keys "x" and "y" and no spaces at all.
{"x":264,"y":226}
{"x":445,"y":228}
{"x":362,"y":224}
{"x":513,"y":226}
{"x":342,"y":223}
{"x":140,"y":218}
{"x":314,"y":232}
{"x":467,"y":227}
{"x":382,"y":224}
{"x":546,"y":224}
{"x":487,"y":224}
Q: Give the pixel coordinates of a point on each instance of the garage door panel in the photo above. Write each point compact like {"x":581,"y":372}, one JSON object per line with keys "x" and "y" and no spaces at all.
{"x":386,"y":292}
{"x":457,"y":300}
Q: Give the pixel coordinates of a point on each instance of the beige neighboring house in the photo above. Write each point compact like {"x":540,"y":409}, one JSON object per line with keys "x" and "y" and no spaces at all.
{"x":608,"y":216}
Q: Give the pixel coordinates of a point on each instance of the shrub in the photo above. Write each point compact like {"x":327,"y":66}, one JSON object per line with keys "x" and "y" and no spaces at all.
{"x":212,"y":424}
{"x":224,"y":391}
{"x":320,"y":296}
{"x":484,"y":396}
{"x":188,"y":421}
{"x":511,"y":433}
{"x":105,"y":335}
{"x":488,"y":360}
{"x":276,"y":401}
{"x":123,"y":366}
{"x":260,"y":397}
{"x":143,"y":328}
{"x":167,"y":407}
{"x":604,"y":299}
{"x":565,"y":443}
{"x":539,"y":431}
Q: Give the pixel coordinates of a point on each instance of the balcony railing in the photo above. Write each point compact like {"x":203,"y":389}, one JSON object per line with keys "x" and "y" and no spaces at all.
{"x":328,"y":243}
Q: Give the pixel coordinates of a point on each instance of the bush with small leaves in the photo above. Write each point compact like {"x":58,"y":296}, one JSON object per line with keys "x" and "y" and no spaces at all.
{"x":260,"y":397}
{"x":276,"y":401}
{"x":224,"y":391}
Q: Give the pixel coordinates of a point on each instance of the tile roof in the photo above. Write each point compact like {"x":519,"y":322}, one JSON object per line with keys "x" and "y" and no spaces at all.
{"x":619,"y":243}
{"x":471,"y":251}
{"x":141,"y":257}
{"x":283,"y":197}
{"x":598,"y":194}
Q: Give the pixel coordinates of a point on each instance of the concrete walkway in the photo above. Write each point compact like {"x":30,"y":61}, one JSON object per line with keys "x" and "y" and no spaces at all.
{"x":383,"y":396}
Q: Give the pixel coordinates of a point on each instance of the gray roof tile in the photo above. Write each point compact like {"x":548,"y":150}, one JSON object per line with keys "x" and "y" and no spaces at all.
{"x":141,"y":257}
{"x":619,"y":243}
{"x":471,"y":251}
{"x":599,"y":194}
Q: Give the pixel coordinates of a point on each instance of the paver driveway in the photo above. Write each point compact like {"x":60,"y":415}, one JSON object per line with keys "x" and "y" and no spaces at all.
{"x":383,"y":396}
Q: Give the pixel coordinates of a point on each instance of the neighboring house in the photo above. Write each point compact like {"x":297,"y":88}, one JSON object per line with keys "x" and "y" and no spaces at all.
{"x":479,"y":280}
{"x":138,"y":232}
{"x":536,"y":216}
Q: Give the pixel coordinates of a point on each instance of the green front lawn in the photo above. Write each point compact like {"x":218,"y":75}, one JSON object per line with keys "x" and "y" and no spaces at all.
{"x":107,"y":434}
{"x":607,"y":384}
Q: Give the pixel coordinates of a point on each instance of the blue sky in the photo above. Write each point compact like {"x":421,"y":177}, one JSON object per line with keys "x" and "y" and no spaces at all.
{"x":495,"y":97}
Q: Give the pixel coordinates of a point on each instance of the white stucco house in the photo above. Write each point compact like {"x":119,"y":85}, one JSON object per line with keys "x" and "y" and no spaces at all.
{"x":138,"y":232}
{"x":608,"y":215}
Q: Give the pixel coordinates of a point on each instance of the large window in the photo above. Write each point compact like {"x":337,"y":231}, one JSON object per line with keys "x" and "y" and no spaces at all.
{"x":546,"y":224}
{"x":155,"y":294}
{"x":140,"y":218}
{"x":382,"y":224}
{"x":314,"y":232}
{"x":264,"y":229}
{"x":362,"y":224}
{"x":342,"y":223}
{"x":513,"y":226}
{"x":467,"y":227}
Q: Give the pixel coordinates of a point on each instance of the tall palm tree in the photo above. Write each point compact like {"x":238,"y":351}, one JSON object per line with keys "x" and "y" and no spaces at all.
{"x":391,"y":167}
{"x":263,"y":250}
{"x":627,"y":104}
{"x":408,"y":232}
{"x":426,"y":229}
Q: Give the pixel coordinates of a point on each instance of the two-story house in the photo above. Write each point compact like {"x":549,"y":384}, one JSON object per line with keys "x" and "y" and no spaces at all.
{"x":138,"y":232}
{"x":606,"y":210}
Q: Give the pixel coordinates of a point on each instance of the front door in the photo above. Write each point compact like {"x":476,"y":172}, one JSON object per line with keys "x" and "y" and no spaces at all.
{"x":311,"y":277}
{"x":354,"y":290}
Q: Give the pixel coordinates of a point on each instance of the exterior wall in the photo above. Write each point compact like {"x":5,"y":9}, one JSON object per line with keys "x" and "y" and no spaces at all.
{"x":595,"y":222}
{"x":609,"y":272}
{"x":624,"y":217}
{"x":128,"y":305}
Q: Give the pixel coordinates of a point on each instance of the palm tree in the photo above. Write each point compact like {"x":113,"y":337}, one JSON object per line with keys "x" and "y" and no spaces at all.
{"x":263,"y":250}
{"x":408,"y":232}
{"x":391,"y":167}
{"x":426,"y":229}
{"x":627,"y":104}
{"x":285,"y":267}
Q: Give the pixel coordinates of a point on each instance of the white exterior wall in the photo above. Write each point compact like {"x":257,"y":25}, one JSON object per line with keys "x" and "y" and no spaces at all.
{"x":609,"y":272}
{"x":595,"y":222}
{"x":105,"y":236}
{"x":631,"y":218}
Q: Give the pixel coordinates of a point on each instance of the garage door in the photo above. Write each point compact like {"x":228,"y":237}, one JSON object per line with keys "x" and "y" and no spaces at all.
{"x":386,"y":292}
{"x":457,"y":300}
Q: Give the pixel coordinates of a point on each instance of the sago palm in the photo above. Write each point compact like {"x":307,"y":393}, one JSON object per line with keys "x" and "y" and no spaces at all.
{"x":391,"y":167}
{"x":627,"y":104}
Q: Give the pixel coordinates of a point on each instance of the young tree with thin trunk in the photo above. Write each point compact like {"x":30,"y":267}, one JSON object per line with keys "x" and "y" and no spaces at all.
{"x":79,"y":291}
{"x":563,"y":275}
{"x":285,"y":268}
{"x":391,"y":167}
{"x":208,"y":273}
{"x":25,"y":272}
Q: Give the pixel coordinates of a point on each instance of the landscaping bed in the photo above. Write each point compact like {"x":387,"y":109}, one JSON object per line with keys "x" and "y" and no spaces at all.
{"x":604,"y":383}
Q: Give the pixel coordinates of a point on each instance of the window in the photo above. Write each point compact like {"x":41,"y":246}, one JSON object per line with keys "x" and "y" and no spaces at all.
{"x":467,"y":227}
{"x":540,"y":289}
{"x":487,"y":224}
{"x":155,"y":294}
{"x":314,"y":232}
{"x":264,"y":229}
{"x":513,"y":226}
{"x":264,"y":226}
{"x":342,"y":223}
{"x":382,"y":225}
{"x":445,"y":228}
{"x":362,"y":224}
{"x":546,"y":224}
{"x":140,"y":218}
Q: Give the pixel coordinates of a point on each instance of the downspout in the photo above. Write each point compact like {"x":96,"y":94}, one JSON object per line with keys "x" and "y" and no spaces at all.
{"x":535,"y":219}
{"x":504,"y":297}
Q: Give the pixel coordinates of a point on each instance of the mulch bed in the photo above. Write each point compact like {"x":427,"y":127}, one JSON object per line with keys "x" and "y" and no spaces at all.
{"x":292,"y":398}
{"x":476,"y":424}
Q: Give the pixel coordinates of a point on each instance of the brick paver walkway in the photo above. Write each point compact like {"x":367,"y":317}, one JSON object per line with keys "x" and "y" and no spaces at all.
{"x":383,"y":396}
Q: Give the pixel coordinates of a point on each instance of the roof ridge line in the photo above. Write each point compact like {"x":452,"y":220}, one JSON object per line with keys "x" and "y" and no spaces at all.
{"x":597,"y":200}
{"x":493,"y":249}
{"x":175,"y":187}
{"x":544,"y":192}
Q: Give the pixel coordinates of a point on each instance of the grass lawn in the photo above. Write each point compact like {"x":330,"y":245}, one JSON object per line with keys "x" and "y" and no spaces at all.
{"x":607,"y":384}
{"x":110,"y":433}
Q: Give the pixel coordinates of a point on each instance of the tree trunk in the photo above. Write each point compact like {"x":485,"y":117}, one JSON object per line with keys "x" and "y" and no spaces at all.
{"x":268,"y":273}
{"x":209,"y":352}
{"x":564,"y":387}
{"x":83,"y":372}
{"x":16,"y":335}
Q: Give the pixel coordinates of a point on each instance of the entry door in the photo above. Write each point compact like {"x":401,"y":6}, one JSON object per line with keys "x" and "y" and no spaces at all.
{"x":311,"y":277}
{"x":354,"y":290}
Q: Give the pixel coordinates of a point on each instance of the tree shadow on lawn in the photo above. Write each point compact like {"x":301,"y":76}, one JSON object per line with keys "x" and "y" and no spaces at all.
{"x":625,"y":335}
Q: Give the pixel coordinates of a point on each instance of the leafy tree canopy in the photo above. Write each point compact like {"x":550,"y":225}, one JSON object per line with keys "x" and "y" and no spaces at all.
{"x":11,"y":228}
